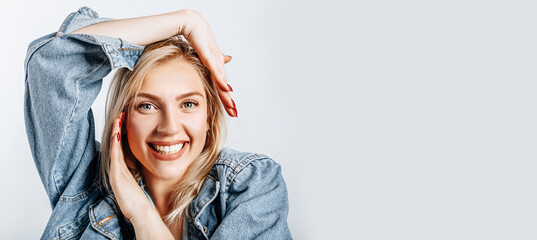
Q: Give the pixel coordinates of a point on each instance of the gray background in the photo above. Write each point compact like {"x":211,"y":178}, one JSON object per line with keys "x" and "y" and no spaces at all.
{"x":391,"y":119}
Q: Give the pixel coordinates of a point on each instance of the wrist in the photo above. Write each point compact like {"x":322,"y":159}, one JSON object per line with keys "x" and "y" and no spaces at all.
{"x":144,"y":215}
{"x":186,"y":21}
{"x":148,"y":225}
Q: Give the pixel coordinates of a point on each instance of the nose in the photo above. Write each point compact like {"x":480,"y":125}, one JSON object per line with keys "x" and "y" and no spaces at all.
{"x":170,"y":123}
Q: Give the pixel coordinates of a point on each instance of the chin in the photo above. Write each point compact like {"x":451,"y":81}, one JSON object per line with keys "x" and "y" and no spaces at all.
{"x":168,"y":170}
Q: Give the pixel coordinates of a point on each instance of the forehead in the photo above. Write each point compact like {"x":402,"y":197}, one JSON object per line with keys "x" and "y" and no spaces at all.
{"x":172,"y":78}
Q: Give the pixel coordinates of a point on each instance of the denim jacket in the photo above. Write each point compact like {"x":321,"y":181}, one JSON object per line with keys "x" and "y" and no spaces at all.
{"x":243,"y":197}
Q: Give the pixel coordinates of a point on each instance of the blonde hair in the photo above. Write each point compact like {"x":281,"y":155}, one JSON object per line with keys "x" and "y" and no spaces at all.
{"x":121,"y":96}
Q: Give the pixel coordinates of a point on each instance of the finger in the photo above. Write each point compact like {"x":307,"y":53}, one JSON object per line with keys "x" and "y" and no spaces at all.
{"x":225,"y":97}
{"x":215,"y":64}
{"x":116,"y":151}
{"x":231,"y":112}
{"x":210,"y":54}
{"x":219,"y":76}
{"x":227,"y":58}
{"x":228,"y":103}
{"x":214,"y":60}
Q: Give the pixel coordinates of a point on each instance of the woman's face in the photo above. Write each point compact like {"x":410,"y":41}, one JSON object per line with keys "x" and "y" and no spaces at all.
{"x":166,"y":130}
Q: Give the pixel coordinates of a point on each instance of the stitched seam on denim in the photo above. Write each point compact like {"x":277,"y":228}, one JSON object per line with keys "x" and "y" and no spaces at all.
{"x":66,"y":22}
{"x":228,"y":163}
{"x":99,"y":228}
{"x":204,"y":202}
{"x":113,"y":64}
{"x":251,"y":160}
{"x":54,"y":183}
{"x":62,"y":142}
{"x":85,"y":36}
{"x":125,"y":49}
{"x":248,"y":159}
{"x":31,"y":53}
{"x":209,"y":176}
{"x":81,"y":195}
{"x":225,"y":160}
{"x":74,"y":234}
{"x":228,"y":176}
{"x":113,"y":203}
{"x":207,"y":203}
{"x":204,"y":206}
{"x":90,"y":12}
{"x":243,"y":163}
{"x":68,"y":124}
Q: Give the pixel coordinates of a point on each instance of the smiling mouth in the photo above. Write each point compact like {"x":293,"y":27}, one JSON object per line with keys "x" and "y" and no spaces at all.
{"x":167,"y":149}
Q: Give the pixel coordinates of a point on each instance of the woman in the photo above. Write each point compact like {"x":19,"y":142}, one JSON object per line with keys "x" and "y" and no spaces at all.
{"x":160,"y":172}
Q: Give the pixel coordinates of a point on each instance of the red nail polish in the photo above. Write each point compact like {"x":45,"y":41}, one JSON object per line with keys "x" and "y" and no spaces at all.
{"x":234,"y":106}
{"x":121,"y":120}
{"x":235,"y":112}
{"x":229,"y":87}
{"x":118,"y":136}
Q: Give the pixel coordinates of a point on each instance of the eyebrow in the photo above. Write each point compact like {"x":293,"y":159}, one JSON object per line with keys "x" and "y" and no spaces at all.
{"x":179,"y":97}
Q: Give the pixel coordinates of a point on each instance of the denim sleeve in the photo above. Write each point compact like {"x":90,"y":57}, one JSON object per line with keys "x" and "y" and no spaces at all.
{"x":257,"y":204}
{"x":64,"y":75}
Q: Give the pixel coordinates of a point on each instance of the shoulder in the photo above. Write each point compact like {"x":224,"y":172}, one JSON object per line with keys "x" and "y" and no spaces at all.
{"x":237,"y":160}
{"x":253,"y":196}
{"x":238,"y":170}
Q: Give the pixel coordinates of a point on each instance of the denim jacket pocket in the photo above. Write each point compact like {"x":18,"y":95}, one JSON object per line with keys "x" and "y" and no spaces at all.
{"x":104,"y":218}
{"x":75,"y":228}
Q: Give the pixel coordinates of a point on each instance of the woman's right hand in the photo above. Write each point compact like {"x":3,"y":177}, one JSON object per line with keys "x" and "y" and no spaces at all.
{"x":132,"y":201}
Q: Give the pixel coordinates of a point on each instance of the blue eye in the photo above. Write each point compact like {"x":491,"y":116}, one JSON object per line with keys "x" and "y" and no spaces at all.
{"x":146,"y":106}
{"x":189,"y":104}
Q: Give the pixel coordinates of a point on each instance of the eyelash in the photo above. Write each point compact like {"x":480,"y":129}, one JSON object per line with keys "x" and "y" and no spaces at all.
{"x":194,"y":103}
{"x":145,"y":104}
{"x":148,"y":104}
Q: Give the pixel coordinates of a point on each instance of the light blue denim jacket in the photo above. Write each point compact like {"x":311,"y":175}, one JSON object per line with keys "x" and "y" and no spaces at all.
{"x":244,"y":196}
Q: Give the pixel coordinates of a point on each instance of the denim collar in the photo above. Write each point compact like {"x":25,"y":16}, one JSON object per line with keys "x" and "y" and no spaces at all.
{"x":104,"y":215}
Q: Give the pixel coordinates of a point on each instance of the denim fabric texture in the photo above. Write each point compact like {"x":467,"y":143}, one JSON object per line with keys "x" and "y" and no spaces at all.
{"x":243,"y":197}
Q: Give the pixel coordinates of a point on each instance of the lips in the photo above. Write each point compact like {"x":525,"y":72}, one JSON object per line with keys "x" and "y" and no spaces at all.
{"x":168,"y":151}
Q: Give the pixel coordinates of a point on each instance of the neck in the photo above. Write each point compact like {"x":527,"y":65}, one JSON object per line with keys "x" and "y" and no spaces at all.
{"x":160,"y":191}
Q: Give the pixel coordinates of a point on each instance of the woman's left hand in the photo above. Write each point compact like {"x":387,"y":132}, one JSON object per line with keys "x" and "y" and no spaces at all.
{"x":198,"y":33}
{"x":190,"y":24}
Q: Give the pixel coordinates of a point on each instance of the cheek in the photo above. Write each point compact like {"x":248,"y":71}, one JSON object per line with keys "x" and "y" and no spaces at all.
{"x":196,"y":126}
{"x":138,"y":130}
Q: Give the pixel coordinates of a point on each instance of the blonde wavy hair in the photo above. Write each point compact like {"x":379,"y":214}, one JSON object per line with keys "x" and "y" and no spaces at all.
{"x":121,"y":96}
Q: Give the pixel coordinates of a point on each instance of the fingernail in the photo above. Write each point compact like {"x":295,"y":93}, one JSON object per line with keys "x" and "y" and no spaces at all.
{"x":229,"y":56}
{"x":235,"y":112}
{"x":121,"y":120}
{"x":229,"y":87}
{"x":234,"y":106}
{"x":118,"y":136}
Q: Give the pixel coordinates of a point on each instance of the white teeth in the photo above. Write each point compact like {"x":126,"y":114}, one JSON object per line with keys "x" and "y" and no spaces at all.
{"x":168,"y":149}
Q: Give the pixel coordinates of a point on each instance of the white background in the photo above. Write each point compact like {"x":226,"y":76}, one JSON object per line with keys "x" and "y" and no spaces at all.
{"x":391,"y":119}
